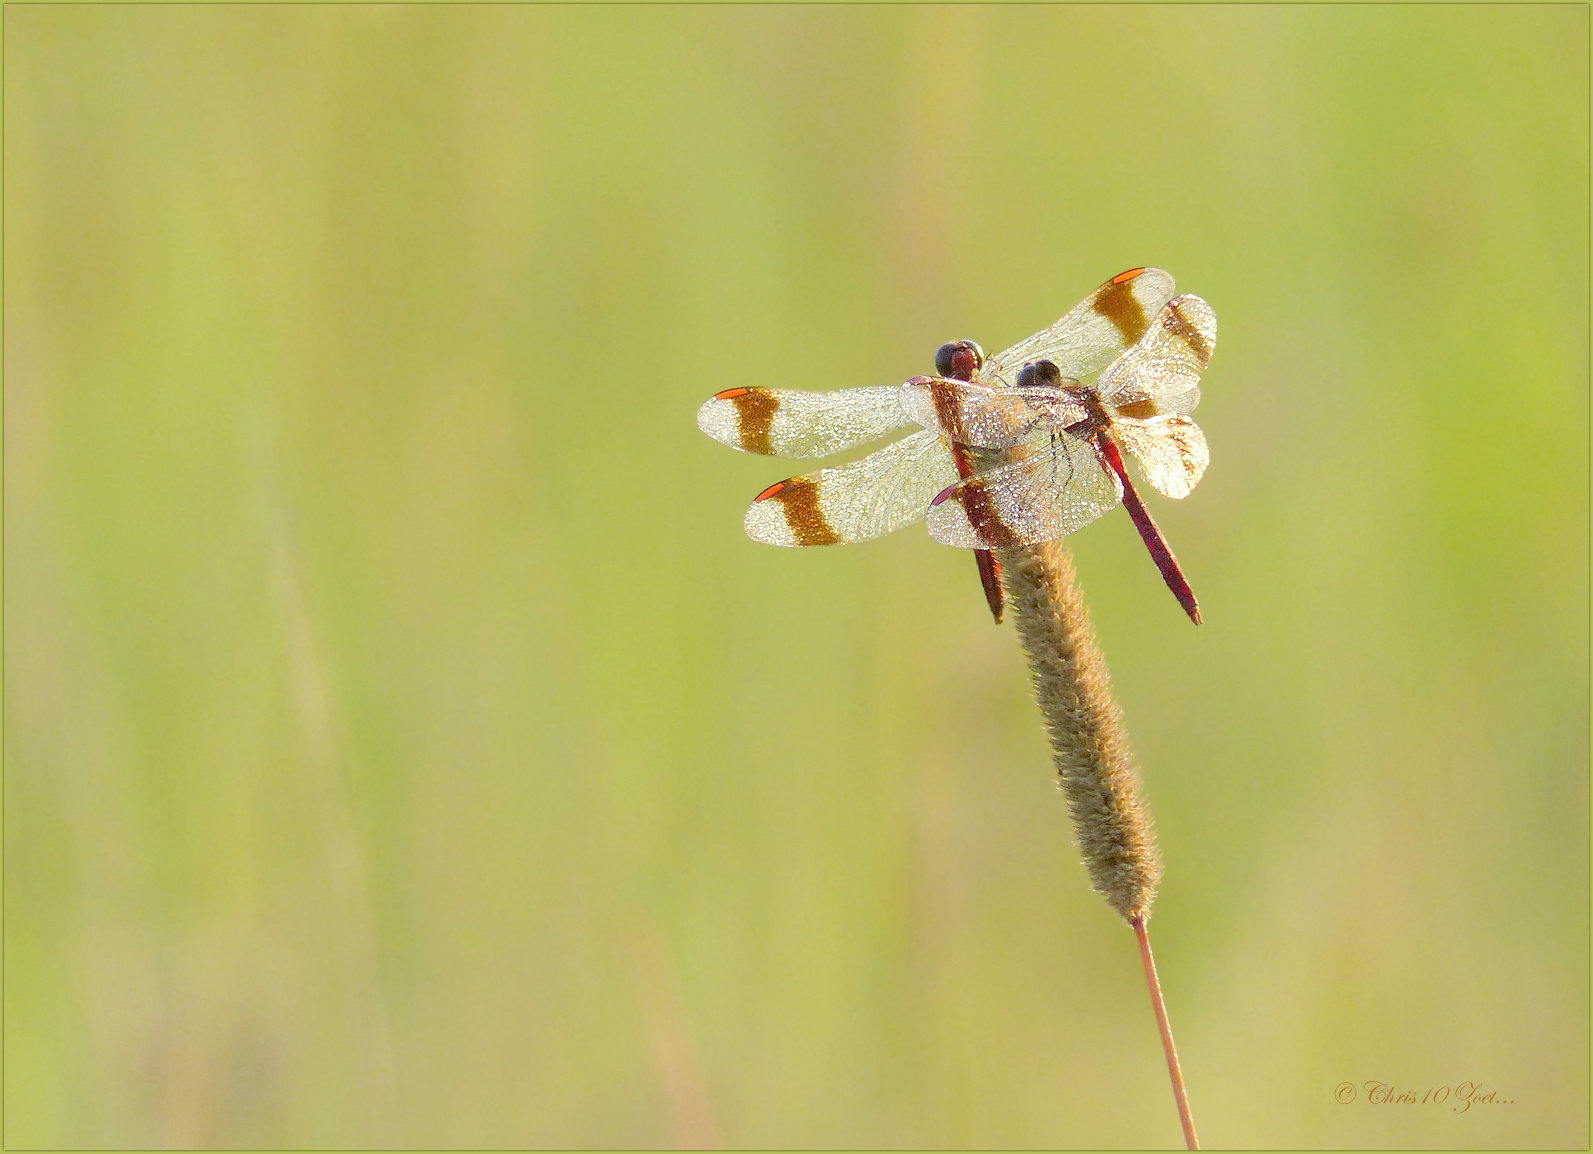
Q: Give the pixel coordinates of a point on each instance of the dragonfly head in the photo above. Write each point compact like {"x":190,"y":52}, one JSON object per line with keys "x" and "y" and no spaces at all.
{"x":1071,"y":395}
{"x":1040,"y":373}
{"x":959,"y":360}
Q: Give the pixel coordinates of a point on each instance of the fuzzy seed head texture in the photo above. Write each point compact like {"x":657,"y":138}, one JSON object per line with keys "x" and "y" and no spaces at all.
{"x":1089,"y":744}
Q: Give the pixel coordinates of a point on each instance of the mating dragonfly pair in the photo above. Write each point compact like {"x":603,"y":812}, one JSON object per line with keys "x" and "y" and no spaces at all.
{"x":1022,"y":447}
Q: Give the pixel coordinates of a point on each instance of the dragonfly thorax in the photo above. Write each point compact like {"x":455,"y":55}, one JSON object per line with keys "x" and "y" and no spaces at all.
{"x":1095,"y":417}
{"x":1045,"y":375}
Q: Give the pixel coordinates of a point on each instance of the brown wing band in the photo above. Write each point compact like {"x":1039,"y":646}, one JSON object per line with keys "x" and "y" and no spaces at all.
{"x":1175,"y":322}
{"x":1116,"y":301}
{"x":947,"y":409}
{"x":1141,"y":410}
{"x":755,"y":409}
{"x":799,"y":501}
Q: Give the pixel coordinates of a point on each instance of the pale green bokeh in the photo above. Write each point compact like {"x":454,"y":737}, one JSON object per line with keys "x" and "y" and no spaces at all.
{"x":404,"y":746}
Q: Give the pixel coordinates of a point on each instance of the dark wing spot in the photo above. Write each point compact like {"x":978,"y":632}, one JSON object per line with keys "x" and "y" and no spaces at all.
{"x":755,"y":409}
{"x":1142,"y":410}
{"x":799,"y":500}
{"x":1116,"y":301}
{"x":1175,"y":322}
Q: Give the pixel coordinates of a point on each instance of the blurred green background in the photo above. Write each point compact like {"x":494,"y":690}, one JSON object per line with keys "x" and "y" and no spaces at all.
{"x":404,"y":746}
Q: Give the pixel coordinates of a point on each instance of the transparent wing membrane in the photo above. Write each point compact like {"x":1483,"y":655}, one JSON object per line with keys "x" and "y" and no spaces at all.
{"x":1060,"y":489}
{"x":1161,"y":373}
{"x":990,"y":418}
{"x":1093,"y":333}
{"x":884,"y":491}
{"x":795,"y":423}
{"x":1170,"y":451}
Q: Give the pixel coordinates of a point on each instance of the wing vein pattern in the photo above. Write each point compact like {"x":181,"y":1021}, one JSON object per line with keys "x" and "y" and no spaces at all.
{"x":797,"y":423}
{"x":887,"y":490}
{"x":1056,"y":491}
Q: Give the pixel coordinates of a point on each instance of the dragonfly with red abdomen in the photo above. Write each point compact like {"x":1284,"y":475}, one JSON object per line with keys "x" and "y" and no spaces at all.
{"x":1057,"y":442}
{"x":880,"y":493}
{"x":1013,"y":450}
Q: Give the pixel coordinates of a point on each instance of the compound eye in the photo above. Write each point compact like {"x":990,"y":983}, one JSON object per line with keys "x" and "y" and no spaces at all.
{"x":943,"y":358}
{"x":959,"y":360}
{"x":1042,"y":373}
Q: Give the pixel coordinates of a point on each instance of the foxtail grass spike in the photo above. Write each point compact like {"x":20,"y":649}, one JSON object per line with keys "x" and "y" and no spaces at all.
{"x":1088,"y":742}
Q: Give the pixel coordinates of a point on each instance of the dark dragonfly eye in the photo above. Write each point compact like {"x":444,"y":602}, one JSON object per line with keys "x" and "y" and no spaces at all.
{"x":1039,"y":373}
{"x":959,"y":360}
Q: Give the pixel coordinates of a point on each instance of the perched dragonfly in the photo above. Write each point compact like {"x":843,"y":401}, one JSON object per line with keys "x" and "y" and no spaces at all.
{"x":1064,"y":422}
{"x":1015,"y":449}
{"x":880,"y":493}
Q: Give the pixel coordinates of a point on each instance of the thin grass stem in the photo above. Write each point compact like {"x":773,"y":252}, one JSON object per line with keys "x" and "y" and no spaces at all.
{"x":1174,"y":1070}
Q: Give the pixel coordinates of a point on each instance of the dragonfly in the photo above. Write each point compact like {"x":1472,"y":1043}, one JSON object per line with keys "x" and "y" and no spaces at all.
{"x":885,"y":491}
{"x":1064,"y":425}
{"x":1015,"y":449}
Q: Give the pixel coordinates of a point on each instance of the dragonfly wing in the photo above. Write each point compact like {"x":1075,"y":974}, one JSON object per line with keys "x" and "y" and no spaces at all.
{"x":1161,"y":374}
{"x":1060,"y":488}
{"x":1093,"y":333}
{"x":1170,"y":451}
{"x":884,"y":491}
{"x":989,"y":418}
{"x":795,"y":423}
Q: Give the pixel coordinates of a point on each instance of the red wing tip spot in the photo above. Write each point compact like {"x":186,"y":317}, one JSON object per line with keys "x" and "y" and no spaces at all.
{"x":943,"y":495}
{"x":731,"y":394}
{"x":1123,"y":277}
{"x":770,"y":491}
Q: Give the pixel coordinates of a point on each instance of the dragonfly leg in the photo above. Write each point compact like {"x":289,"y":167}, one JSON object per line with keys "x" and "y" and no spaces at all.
{"x":989,"y":567}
